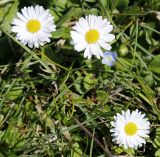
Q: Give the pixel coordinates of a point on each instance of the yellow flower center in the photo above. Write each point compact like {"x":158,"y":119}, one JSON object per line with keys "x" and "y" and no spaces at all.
{"x":130,"y":128}
{"x":33,"y":26}
{"x":92,"y":36}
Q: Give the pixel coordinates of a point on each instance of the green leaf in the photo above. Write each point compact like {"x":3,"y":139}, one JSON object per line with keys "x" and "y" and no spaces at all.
{"x":123,"y":63}
{"x":101,"y":95}
{"x":3,"y":11}
{"x":4,"y":2}
{"x":121,"y":4}
{"x":66,"y":17}
{"x":90,"y":0}
{"x":155,"y":64}
{"x":1,"y":118}
{"x":11,"y":135}
{"x":76,"y":150}
{"x":8,"y":19}
{"x":14,"y":94}
{"x":61,"y":3}
{"x":104,"y":3}
{"x":149,"y":80}
{"x":157,"y":154}
{"x":150,"y":39}
{"x":89,"y":81}
{"x":73,"y":12}
{"x":63,"y":32}
{"x":54,"y":14}
{"x":92,"y":11}
{"x":79,"y":85}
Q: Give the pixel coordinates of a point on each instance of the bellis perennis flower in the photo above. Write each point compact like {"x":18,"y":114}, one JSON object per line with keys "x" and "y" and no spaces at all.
{"x":109,"y":58}
{"x":33,"y":26}
{"x":130,"y":129}
{"x":91,"y":34}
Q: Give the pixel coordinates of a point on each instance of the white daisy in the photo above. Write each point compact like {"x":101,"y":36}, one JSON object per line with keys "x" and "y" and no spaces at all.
{"x":33,"y":26}
{"x":91,"y":34}
{"x":130,"y":129}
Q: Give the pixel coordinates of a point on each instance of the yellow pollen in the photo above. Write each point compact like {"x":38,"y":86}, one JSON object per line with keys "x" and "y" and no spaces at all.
{"x":130,"y":128}
{"x":33,"y":26}
{"x":92,"y":36}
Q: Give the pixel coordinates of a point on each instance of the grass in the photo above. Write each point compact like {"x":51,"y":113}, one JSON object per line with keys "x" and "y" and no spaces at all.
{"x":53,"y":102}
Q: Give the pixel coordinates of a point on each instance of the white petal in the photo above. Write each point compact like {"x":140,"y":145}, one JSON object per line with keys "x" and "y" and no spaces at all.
{"x":18,"y":22}
{"x":34,"y":14}
{"x":108,"y":37}
{"x":22,"y":17}
{"x":25,"y":13}
{"x":95,"y":50}
{"x":87,"y":52}
{"x":104,"y":45}
{"x":80,"y":46}
{"x":84,"y":24}
{"x":29,"y":11}
{"x":77,"y":37}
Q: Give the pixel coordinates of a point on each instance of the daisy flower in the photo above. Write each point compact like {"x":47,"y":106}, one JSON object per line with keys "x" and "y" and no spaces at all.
{"x":130,"y":129}
{"x":109,"y":58}
{"x":33,"y":26}
{"x":91,"y":34}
